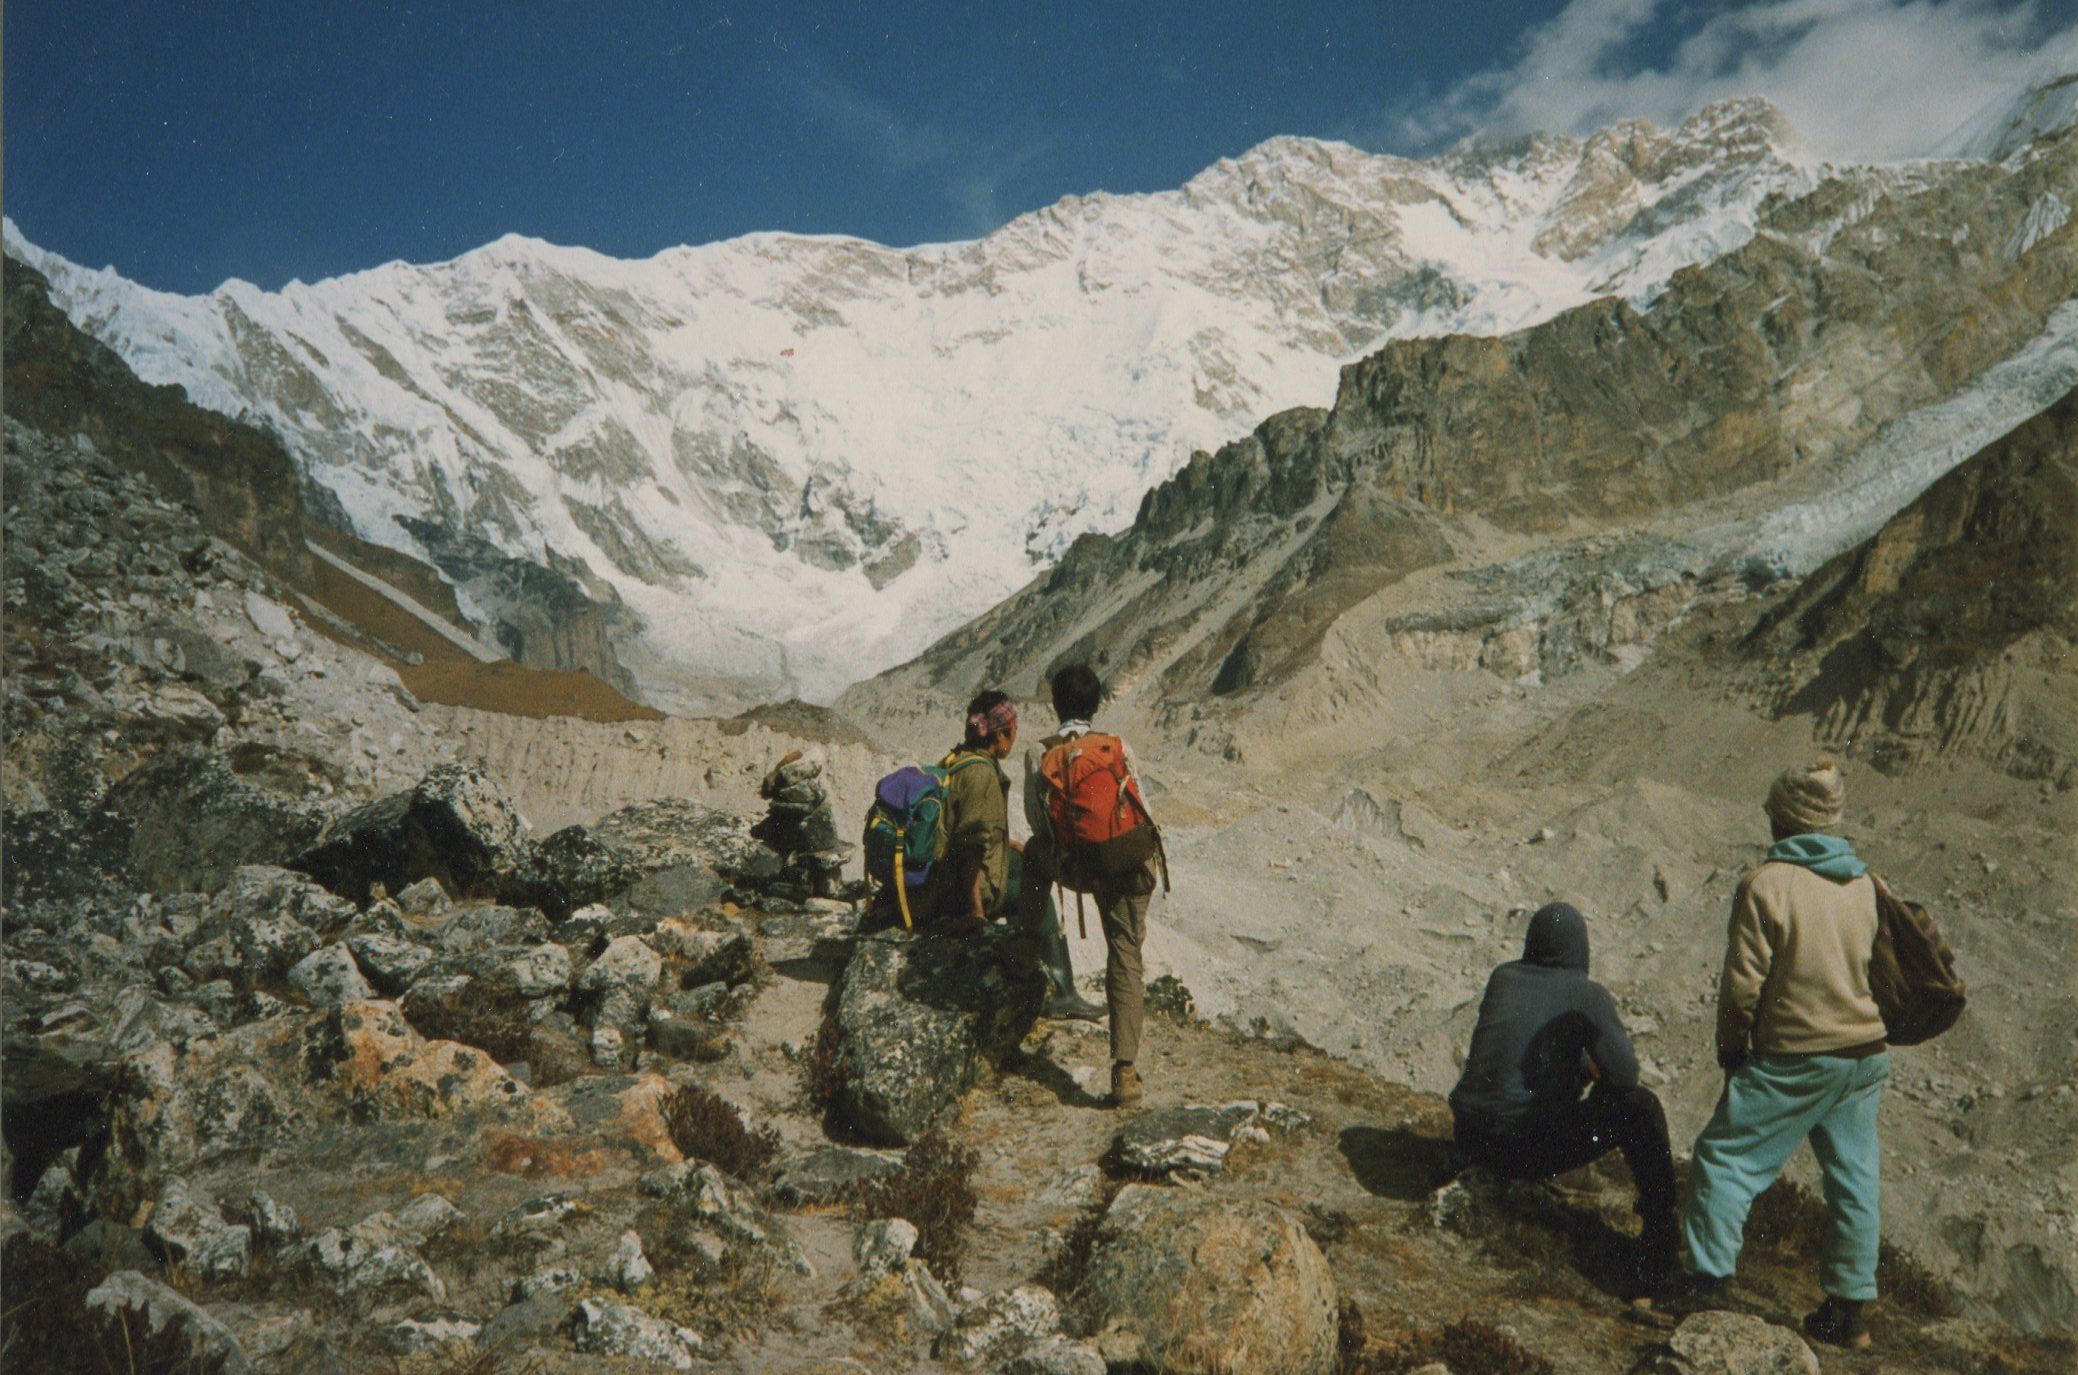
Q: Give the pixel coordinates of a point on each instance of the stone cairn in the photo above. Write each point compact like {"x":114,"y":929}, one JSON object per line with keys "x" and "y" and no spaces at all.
{"x":801,"y":829}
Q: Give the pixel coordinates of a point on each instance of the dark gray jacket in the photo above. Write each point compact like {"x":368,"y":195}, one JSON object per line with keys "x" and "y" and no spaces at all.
{"x":1540,"y":1025}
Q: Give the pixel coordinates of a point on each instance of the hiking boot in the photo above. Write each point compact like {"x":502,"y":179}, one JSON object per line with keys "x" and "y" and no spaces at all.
{"x":1688,"y":1292}
{"x":1125,"y":1085}
{"x":1659,"y":1253}
{"x":1839,"y":1322}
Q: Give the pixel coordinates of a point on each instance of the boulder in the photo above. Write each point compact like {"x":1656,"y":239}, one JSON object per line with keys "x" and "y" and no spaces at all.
{"x":1057,"y":1355}
{"x":260,"y":925}
{"x":668,"y":832}
{"x":918,"y":1019}
{"x":724,"y":955}
{"x":1001,"y":1326}
{"x":457,"y":825}
{"x":1718,"y":1343}
{"x":540,"y":971}
{"x":832,"y":1174}
{"x":1185,"y":1143}
{"x":330,"y":976}
{"x":614,"y":992}
{"x":390,"y":963}
{"x":434,"y":1332}
{"x":603,"y":1328}
{"x":1211,"y":1286}
{"x":161,"y":1308}
{"x":882,"y":1246}
{"x":367,"y":1055}
{"x":374,"y":1256}
{"x":571,"y":869}
{"x":193,"y":821}
{"x":273,"y":1222}
{"x":628,"y":1269}
{"x":189,"y":1230}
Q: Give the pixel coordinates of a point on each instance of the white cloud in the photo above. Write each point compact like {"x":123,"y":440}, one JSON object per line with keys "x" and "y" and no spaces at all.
{"x":1861,"y":79}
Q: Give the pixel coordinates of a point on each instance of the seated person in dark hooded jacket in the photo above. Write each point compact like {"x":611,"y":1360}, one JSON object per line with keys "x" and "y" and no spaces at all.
{"x":1545,"y":1032}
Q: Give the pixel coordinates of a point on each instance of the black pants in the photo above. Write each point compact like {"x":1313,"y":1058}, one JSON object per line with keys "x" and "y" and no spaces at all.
{"x":1628,"y":1120}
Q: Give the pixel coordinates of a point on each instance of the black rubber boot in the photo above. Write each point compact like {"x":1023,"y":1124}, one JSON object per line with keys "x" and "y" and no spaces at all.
{"x":1063,"y":1003}
{"x":1659,"y":1253}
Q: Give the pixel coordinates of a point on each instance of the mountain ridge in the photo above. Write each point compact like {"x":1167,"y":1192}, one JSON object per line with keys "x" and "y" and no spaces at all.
{"x":801,"y":409}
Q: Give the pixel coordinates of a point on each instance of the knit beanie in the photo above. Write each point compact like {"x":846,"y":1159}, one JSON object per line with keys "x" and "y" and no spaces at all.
{"x":1807,"y":798}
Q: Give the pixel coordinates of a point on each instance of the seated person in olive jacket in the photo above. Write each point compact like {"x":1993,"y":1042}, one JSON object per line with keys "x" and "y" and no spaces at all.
{"x":1545,"y":1032}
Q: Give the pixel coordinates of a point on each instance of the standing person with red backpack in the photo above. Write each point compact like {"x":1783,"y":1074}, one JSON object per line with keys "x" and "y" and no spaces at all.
{"x":1092,"y":833}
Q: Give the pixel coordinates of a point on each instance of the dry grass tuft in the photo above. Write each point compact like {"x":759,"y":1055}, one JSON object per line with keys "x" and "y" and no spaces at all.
{"x":461,"y":1359}
{"x":822,"y":1072}
{"x":934,"y":1190}
{"x":704,"y":1126}
{"x":1467,"y":1347}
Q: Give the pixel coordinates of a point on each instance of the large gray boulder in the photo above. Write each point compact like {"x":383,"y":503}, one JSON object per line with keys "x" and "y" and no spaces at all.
{"x":573,"y":868}
{"x":194,"y":822}
{"x":1203,"y":1285}
{"x":918,"y":1019}
{"x":456,"y":825}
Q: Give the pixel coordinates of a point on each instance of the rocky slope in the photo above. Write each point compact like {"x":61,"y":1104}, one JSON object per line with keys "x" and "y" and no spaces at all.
{"x":768,"y":448}
{"x":1952,"y":630}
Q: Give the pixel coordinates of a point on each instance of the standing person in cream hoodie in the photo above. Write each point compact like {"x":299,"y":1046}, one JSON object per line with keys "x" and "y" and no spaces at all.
{"x":1801,"y":1043}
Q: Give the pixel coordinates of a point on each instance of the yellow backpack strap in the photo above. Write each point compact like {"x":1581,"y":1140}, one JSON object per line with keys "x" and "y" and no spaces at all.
{"x":902,"y":884}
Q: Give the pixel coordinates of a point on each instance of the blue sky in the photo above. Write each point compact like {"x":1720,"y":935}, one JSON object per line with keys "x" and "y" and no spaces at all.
{"x":186,"y":143}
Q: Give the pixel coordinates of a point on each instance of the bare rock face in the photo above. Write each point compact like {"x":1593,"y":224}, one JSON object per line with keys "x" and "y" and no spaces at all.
{"x":457,"y":825}
{"x":918,"y":1019}
{"x":1950,"y":630}
{"x":1209,"y":1286}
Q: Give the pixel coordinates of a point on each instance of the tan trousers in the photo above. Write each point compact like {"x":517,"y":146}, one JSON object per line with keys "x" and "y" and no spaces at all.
{"x":1122,"y":914}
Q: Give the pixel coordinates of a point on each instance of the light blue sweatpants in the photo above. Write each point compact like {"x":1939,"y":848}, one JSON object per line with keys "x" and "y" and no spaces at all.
{"x":1769,"y":1106}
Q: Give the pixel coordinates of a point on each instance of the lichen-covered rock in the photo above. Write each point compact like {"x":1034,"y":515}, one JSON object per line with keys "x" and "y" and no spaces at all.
{"x":391,"y":964}
{"x":434,"y":1332}
{"x":1212,"y":1286}
{"x":1720,"y":1343}
{"x":704,"y":1192}
{"x":628,"y":1269}
{"x":830,"y":1175}
{"x":193,"y":821}
{"x":373,"y":1256}
{"x":538,"y":1221}
{"x":882,"y":1246}
{"x":190,"y":1230}
{"x":540,"y":971}
{"x":1057,"y":1355}
{"x":260,"y":924}
{"x":918,"y":1019}
{"x":724,"y":955}
{"x":330,"y":976}
{"x":603,"y":1328}
{"x":161,"y":1308}
{"x":457,"y":825}
{"x":368,"y":1055}
{"x":1001,"y":1326}
{"x":1193,"y":1142}
{"x":572,"y":868}
{"x":273,"y":1222}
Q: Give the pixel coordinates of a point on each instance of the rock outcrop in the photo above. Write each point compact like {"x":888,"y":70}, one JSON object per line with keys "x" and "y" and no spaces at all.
{"x":456,"y":825}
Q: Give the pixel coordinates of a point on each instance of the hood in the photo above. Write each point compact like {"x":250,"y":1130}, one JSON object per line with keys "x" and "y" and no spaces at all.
{"x":1827,"y":856}
{"x":1557,"y":938}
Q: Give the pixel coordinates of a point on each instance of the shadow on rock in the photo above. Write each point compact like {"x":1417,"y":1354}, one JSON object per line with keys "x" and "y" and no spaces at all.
{"x":1394,"y":1162}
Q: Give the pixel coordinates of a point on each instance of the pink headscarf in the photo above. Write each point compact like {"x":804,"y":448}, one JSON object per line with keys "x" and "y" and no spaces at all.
{"x":982,"y":724}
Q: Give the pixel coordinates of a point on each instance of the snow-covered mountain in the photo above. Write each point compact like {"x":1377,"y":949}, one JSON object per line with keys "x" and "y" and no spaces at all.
{"x":799,"y":460}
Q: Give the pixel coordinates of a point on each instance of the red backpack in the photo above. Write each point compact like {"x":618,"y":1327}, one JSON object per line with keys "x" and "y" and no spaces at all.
{"x":1101,"y":826}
